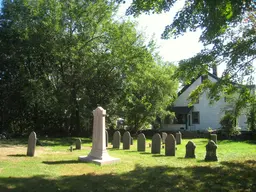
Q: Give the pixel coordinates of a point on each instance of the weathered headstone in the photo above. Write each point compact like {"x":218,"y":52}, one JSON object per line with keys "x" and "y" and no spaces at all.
{"x":211,"y":149}
{"x":156,"y":144}
{"x":116,"y":140}
{"x":213,"y":137}
{"x":99,"y":154}
{"x":78,"y":144}
{"x":141,"y":142}
{"x":164,"y":135}
{"x":170,"y":145}
{"x":106,"y":138}
{"x":126,"y":140}
{"x":31,"y":144}
{"x":131,"y":141}
{"x":190,"y":150}
{"x":178,"y":138}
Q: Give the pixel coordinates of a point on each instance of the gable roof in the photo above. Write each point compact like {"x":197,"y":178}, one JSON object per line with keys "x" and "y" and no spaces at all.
{"x":193,"y":80}
{"x":213,"y":76}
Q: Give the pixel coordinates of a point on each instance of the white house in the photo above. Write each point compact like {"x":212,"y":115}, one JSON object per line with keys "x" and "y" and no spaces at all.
{"x":201,"y":115}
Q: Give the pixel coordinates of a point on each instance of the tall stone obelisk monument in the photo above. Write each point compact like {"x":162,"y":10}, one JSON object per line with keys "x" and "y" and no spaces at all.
{"x":99,"y":154}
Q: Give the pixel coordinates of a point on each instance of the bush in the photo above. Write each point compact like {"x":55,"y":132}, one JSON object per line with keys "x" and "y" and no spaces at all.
{"x":229,"y":126}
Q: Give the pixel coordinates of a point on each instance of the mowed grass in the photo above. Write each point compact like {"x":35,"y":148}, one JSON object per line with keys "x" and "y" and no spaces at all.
{"x":55,"y":168}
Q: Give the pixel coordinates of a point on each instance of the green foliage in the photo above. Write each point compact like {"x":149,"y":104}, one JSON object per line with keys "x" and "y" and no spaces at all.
{"x":229,"y":125}
{"x":61,"y":59}
{"x":149,"y":91}
{"x":228,"y":35}
{"x":252,"y":117}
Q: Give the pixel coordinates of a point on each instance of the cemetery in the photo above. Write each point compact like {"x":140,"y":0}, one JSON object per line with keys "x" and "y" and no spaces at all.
{"x":91,"y":102}
{"x":114,"y":163}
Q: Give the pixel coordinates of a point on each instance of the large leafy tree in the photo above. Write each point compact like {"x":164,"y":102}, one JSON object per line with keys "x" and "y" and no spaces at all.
{"x":150,"y":90}
{"x":228,"y":35}
{"x":61,"y":59}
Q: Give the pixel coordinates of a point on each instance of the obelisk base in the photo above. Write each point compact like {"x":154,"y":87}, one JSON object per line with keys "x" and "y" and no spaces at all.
{"x":104,"y":161}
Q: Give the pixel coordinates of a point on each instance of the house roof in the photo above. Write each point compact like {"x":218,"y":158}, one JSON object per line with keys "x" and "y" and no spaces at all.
{"x":193,"y":80}
{"x":181,"y":110}
{"x":213,"y":76}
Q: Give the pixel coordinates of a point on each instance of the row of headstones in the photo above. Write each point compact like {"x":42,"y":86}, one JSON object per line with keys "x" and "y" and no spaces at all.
{"x":141,"y":139}
{"x":127,"y":139}
{"x":170,"y":144}
{"x":169,"y":141}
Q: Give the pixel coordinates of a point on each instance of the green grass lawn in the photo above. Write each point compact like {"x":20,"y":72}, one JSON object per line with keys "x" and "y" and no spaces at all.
{"x":55,"y":168}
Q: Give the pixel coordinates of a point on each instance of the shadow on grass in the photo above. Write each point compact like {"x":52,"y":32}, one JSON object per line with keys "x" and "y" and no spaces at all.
{"x":61,"y":162}
{"x":251,"y":142}
{"x":230,"y":176}
{"x":17,"y":155}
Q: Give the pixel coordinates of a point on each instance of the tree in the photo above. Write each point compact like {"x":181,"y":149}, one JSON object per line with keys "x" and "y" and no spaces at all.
{"x":228,"y":35}
{"x":229,"y":125}
{"x":148,"y":93}
{"x":60,"y":60}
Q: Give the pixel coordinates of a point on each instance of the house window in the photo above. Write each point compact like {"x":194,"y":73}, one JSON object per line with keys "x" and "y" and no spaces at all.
{"x":180,"y":118}
{"x":195,"y":118}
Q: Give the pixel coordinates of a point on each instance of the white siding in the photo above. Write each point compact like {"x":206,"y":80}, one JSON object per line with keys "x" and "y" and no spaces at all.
{"x":210,"y":115}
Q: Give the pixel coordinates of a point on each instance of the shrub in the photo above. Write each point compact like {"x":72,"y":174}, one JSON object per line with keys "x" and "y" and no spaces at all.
{"x":229,"y":125}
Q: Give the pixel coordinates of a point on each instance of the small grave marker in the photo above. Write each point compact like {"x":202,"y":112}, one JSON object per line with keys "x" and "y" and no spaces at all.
{"x":126,"y":140}
{"x":78,"y":144}
{"x":170,"y":145}
{"x":156,"y":144}
{"x":211,"y":148}
{"x":141,"y":142}
{"x":190,"y":150}
{"x":116,"y":140}
{"x":178,"y":138}
{"x":31,"y":144}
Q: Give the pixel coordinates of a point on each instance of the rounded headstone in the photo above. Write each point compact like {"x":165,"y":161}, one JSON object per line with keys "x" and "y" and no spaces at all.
{"x":178,"y":138}
{"x":141,"y":142}
{"x":31,"y":144}
{"x":131,"y":141}
{"x":78,"y":144}
{"x":126,"y":140}
{"x":116,"y":140}
{"x":170,"y":145}
{"x":211,"y":149}
{"x":190,"y":150}
{"x":156,"y":144}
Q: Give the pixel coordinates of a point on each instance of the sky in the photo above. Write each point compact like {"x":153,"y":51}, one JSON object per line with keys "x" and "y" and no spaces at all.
{"x":172,"y":50}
